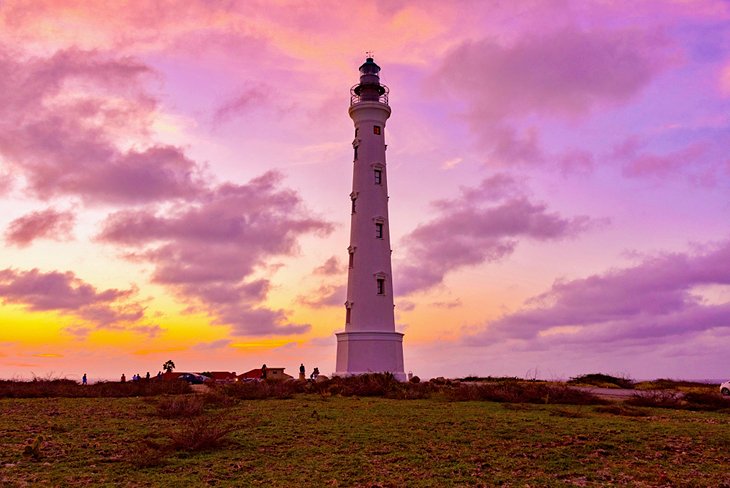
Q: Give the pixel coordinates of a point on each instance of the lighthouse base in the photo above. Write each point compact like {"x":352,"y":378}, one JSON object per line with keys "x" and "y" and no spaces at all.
{"x":370,"y":352}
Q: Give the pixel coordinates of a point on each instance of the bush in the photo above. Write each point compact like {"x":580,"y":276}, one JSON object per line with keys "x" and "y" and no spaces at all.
{"x":199,"y":434}
{"x":180,"y":406}
{"x":523,"y":392}
{"x":706,"y":401}
{"x":259,"y":390}
{"x":656,"y":398}
{"x":46,"y":388}
{"x":602,"y":381}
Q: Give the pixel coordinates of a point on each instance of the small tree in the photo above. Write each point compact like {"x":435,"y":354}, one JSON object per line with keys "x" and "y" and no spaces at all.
{"x":168,"y":366}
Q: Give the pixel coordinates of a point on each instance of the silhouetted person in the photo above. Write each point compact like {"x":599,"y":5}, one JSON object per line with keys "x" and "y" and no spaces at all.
{"x":314,"y":374}
{"x":301,"y":371}
{"x":159,"y":375}
{"x":263,"y":372}
{"x":83,"y":379}
{"x":148,"y":376}
{"x":124,"y":378}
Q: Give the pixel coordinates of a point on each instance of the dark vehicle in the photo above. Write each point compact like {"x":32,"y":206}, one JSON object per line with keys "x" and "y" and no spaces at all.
{"x":194,"y":379}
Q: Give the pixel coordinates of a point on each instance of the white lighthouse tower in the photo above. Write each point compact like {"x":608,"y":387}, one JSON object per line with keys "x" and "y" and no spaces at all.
{"x":369,"y":343}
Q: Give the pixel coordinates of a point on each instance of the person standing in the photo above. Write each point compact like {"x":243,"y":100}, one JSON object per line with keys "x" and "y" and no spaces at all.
{"x":124,"y":378}
{"x":263,"y":372}
{"x":301,"y":372}
{"x":83,"y":379}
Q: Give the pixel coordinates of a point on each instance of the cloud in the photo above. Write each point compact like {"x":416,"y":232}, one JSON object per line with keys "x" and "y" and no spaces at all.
{"x":61,"y":117}
{"x":325,"y":296}
{"x":212,"y":345}
{"x":331,"y":267}
{"x":567,"y":73}
{"x":44,"y":224}
{"x":660,"y":166}
{"x":650,"y":303}
{"x":466,"y":232}
{"x":66,"y":294}
{"x":209,"y":250}
{"x":248,"y":98}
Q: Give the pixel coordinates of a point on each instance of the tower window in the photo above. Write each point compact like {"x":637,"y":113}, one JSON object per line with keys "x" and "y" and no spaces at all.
{"x":381,"y":286}
{"x":376,"y":130}
{"x":378,"y":230}
{"x":357,"y":129}
{"x":353,"y":204}
{"x":348,"y":315}
{"x":351,"y":261}
{"x":378,"y":176}
{"x":355,"y":158}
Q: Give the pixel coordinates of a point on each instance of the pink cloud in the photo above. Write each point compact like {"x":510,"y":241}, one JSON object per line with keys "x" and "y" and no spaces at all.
{"x":60,"y":117}
{"x":208,"y":251}
{"x":248,"y":98}
{"x":568,"y":73}
{"x":44,"y":224}
{"x":325,"y":296}
{"x":333,"y":266}
{"x":659,"y":166}
{"x":65,"y":293}
{"x":468,"y":233}
{"x":651,"y":302}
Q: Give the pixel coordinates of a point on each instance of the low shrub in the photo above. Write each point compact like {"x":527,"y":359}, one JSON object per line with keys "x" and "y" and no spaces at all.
{"x":200,"y":433}
{"x":656,"y":398}
{"x":706,"y":401}
{"x":522,"y":392}
{"x":259,"y":390}
{"x":47,"y":388}
{"x":602,"y":381}
{"x":180,"y":406}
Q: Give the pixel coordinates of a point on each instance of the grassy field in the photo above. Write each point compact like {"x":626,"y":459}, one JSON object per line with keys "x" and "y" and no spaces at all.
{"x":315,"y":440}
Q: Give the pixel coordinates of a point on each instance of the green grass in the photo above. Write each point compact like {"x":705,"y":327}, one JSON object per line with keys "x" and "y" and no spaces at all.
{"x":311,"y":440}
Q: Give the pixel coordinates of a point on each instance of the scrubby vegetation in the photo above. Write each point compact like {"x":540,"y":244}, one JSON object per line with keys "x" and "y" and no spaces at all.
{"x":601,"y":380}
{"x":523,"y":392}
{"x":47,"y":388}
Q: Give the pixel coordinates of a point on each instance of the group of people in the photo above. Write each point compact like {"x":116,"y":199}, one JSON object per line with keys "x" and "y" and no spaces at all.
{"x":137,"y":377}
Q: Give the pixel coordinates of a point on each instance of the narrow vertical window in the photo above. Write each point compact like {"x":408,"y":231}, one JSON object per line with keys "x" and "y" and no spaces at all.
{"x":378,"y":176}
{"x":353,"y":205}
{"x":348,"y":314}
{"x":376,"y":130}
{"x":357,"y":130}
{"x":351,"y":261}
{"x":379,"y":230}
{"x":355,"y":153}
{"x":381,"y":286}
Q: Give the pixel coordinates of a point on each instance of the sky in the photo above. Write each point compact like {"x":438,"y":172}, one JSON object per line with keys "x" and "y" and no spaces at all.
{"x":175,"y":180}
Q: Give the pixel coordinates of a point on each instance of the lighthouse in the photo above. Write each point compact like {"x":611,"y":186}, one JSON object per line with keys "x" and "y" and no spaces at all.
{"x":370,"y":343}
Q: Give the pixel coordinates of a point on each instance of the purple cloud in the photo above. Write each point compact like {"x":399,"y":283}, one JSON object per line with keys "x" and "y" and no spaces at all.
{"x":44,"y":224}
{"x":659,"y":166}
{"x":66,"y":145}
{"x":247,"y":99}
{"x":331,"y":267}
{"x":65,"y":293}
{"x":569,"y":72}
{"x":208,"y":251}
{"x":325,"y":296}
{"x":648,"y":303}
{"x":468,"y":233}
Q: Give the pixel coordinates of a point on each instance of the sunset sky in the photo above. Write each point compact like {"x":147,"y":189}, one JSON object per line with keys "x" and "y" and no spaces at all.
{"x":175,"y":179}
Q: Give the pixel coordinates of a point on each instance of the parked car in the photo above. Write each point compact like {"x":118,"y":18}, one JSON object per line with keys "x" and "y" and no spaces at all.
{"x":725,"y":388}
{"x":194,"y":379}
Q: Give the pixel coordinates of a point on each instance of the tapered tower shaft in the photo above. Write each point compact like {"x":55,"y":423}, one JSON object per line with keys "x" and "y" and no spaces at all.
{"x":369,"y":342}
